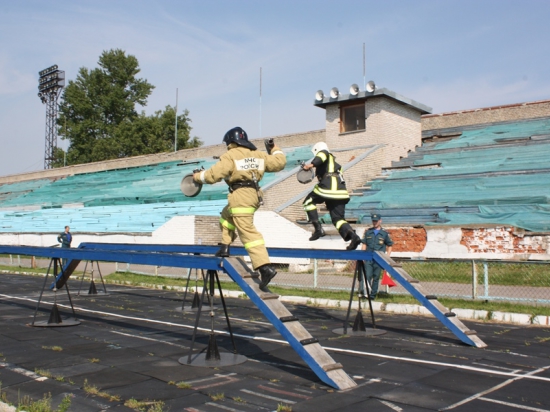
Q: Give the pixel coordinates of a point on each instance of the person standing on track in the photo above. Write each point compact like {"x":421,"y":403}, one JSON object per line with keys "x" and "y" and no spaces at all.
{"x":65,"y":238}
{"x":376,"y":239}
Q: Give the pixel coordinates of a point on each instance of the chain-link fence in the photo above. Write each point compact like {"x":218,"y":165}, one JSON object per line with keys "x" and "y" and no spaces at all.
{"x":522,"y":282}
{"x":526,"y":282}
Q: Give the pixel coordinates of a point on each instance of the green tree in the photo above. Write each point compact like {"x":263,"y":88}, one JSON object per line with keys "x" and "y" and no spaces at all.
{"x":58,"y":157}
{"x":99,"y":118}
{"x":154,"y":134}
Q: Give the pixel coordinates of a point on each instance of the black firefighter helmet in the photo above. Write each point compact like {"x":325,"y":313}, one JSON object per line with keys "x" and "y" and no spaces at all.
{"x":238,"y":136}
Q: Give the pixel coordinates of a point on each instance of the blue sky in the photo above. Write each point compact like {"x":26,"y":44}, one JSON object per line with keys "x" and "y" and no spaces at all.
{"x":449,"y":55}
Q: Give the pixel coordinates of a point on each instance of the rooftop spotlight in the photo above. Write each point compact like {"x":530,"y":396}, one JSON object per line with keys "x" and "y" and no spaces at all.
{"x":354,"y":90}
{"x":371,"y":87}
{"x":319,"y":96}
{"x":334,"y":93}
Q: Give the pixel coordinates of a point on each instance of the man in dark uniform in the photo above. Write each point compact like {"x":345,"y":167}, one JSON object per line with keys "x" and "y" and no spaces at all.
{"x":65,"y":239}
{"x":375,"y":239}
{"x":242,"y":167}
{"x":330,"y":190}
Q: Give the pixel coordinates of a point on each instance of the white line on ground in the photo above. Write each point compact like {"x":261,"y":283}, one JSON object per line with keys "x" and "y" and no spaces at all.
{"x":447,"y":365}
{"x":22,"y":371}
{"x":392,"y":406}
{"x":149,"y":339}
{"x":515,"y":405}
{"x":494,"y":388}
{"x":492,"y":366}
{"x":225,"y":408}
{"x":337,"y":350}
{"x":273,"y":398}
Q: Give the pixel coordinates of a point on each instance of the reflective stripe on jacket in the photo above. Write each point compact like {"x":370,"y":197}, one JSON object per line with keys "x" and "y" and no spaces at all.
{"x":331,"y":181}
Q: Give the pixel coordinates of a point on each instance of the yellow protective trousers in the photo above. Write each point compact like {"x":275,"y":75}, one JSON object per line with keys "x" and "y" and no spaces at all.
{"x":238,"y":216}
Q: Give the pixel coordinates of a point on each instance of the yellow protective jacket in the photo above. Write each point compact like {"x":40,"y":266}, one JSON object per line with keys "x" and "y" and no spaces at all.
{"x":240,"y":164}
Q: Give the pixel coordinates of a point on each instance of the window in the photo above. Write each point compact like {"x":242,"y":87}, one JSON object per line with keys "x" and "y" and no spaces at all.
{"x":352,"y":118}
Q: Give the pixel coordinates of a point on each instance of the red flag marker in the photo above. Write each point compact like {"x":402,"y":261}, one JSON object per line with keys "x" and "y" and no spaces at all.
{"x":387,"y":280}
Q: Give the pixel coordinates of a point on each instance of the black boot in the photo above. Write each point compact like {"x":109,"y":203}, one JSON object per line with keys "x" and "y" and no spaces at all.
{"x":223,"y":251}
{"x":319,"y":232}
{"x":355,"y":241}
{"x":267,"y":272}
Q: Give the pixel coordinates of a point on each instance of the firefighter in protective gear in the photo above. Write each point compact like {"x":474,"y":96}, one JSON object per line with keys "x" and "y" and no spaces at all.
{"x":242,"y":167}
{"x":330,"y":190}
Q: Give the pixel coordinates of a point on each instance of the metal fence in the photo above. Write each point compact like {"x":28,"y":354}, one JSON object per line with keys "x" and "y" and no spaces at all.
{"x":521,"y":282}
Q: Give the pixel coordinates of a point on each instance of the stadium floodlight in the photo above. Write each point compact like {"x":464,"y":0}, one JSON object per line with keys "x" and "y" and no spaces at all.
{"x":319,"y":96}
{"x":47,"y":71}
{"x":50,"y":83}
{"x":371,"y":87}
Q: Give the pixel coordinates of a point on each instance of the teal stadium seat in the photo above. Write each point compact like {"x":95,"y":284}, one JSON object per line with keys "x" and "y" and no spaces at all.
{"x":137,"y":199}
{"x":496,"y":174}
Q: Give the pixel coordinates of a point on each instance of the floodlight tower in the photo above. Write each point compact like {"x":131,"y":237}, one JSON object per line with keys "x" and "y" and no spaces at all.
{"x":50,"y":83}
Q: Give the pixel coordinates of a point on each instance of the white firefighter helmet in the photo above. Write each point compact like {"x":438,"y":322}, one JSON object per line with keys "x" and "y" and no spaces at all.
{"x":318,"y":147}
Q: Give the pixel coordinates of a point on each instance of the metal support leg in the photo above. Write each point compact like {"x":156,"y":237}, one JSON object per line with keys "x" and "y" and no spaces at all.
{"x":55,"y":318}
{"x":213,"y":357}
{"x":101,"y":277}
{"x":359,"y":325}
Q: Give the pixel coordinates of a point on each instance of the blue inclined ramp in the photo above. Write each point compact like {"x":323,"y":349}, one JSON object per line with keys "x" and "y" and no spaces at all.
{"x":305,"y":345}
{"x":448,"y":319}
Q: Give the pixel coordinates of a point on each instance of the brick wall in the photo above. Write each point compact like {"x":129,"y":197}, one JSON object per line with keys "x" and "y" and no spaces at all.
{"x":387,"y":122}
{"x":408,"y":239}
{"x":493,"y":114}
{"x":495,"y":242}
{"x":503,"y":240}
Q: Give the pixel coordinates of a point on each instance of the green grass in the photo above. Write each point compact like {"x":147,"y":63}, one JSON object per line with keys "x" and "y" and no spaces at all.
{"x":500,"y":273}
{"x":489,"y":306}
{"x":38,"y":271}
{"x":41,"y":271}
{"x":136,"y":279}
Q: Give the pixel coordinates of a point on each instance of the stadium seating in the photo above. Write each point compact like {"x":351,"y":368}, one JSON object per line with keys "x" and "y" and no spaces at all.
{"x":138,"y":199}
{"x":497,"y":174}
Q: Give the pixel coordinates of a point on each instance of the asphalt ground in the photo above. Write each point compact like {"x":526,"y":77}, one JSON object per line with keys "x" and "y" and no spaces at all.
{"x":133,"y":344}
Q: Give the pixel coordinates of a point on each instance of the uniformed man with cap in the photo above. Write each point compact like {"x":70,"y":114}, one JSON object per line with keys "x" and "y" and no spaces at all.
{"x":375,"y":239}
{"x":330,"y":190}
{"x":242,"y":167}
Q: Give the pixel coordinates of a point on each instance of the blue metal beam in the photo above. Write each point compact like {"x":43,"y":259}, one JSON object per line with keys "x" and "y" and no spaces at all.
{"x":236,"y":251}
{"x":127,"y":256}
